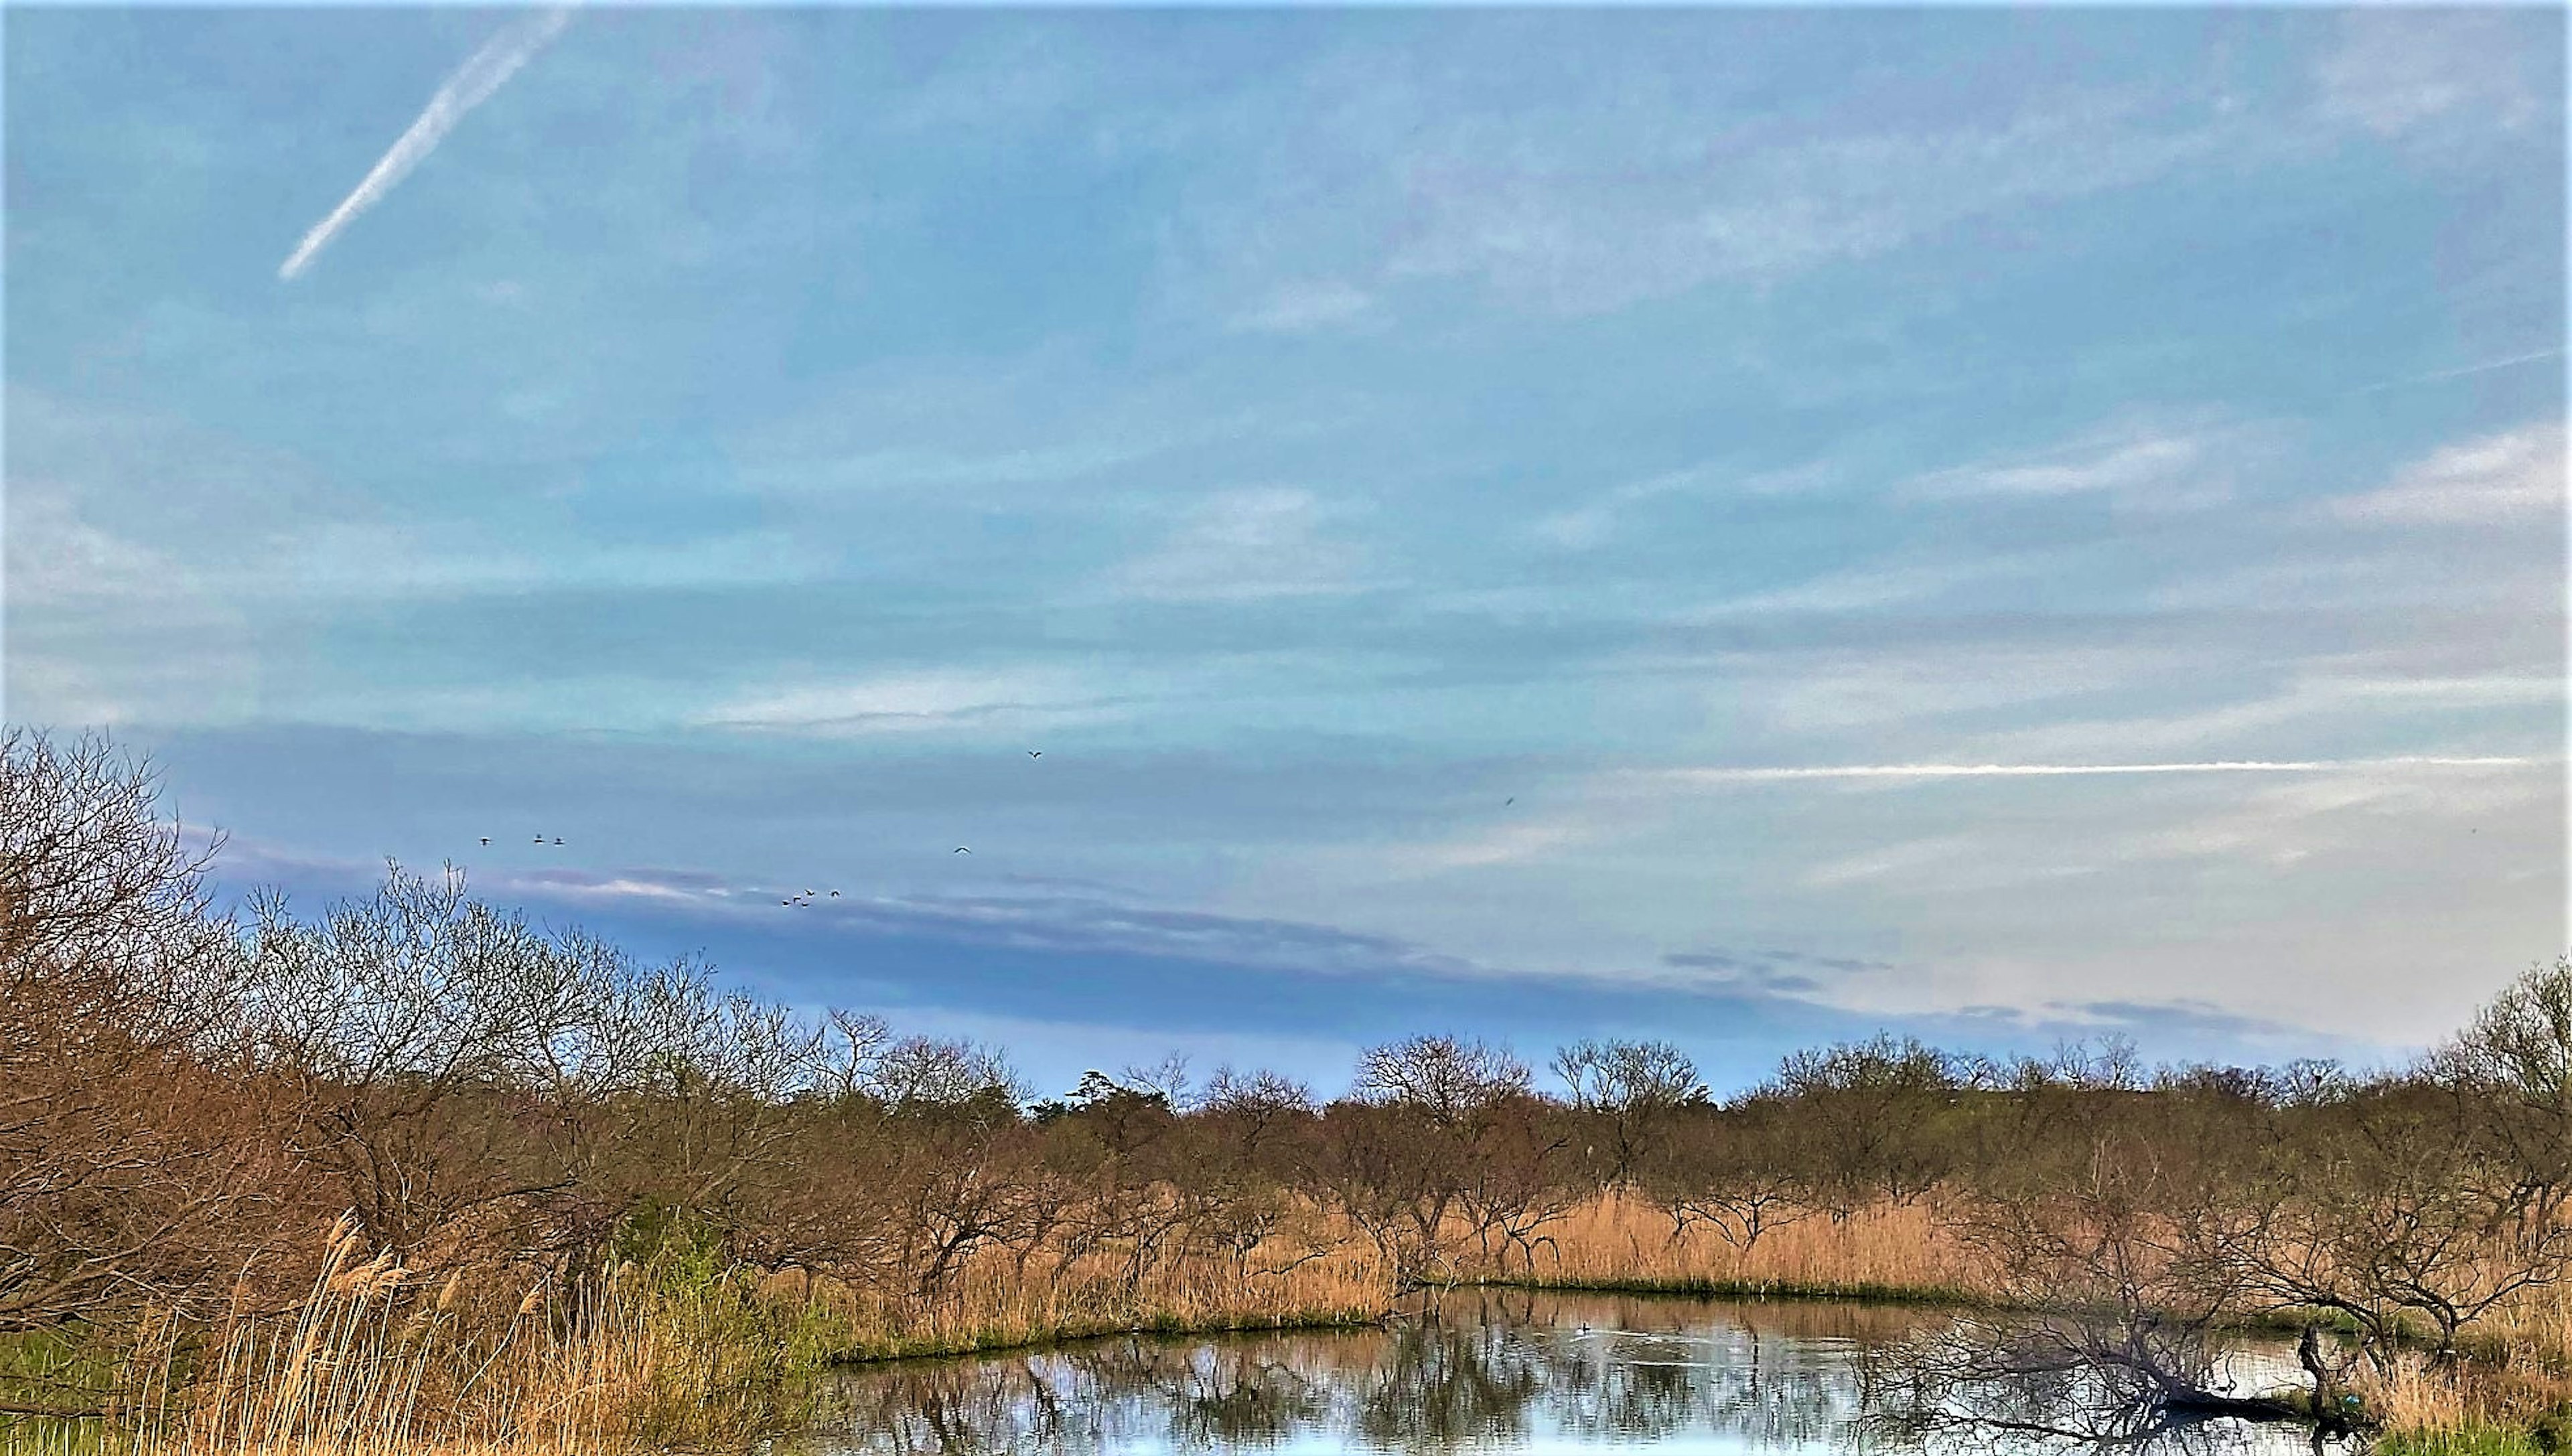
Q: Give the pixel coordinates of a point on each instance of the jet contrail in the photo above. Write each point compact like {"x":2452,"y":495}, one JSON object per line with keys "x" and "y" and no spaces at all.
{"x":470,"y":86}
{"x":2057,"y":770}
{"x":2486,"y":367}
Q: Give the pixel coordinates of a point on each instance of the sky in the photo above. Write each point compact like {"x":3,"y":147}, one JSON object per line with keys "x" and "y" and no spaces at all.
{"x":1529,"y":524}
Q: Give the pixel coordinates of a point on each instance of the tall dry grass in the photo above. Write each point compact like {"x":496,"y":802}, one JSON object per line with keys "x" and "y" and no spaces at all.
{"x":2516,"y":1379}
{"x":1883,"y":1250}
{"x":374,"y":1362}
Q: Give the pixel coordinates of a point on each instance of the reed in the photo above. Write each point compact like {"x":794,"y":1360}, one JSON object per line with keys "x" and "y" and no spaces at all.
{"x":1883,"y":1251}
{"x":2509,"y":1393}
{"x":374,"y":1360}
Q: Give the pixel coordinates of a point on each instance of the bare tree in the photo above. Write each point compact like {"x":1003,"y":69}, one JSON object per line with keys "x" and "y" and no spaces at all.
{"x":2511,"y":1071}
{"x":1744,"y":1172}
{"x":1452,"y":1080}
{"x":121,"y":1177}
{"x":1875,"y":1110}
{"x":957,"y":1078}
{"x":1632,"y":1087}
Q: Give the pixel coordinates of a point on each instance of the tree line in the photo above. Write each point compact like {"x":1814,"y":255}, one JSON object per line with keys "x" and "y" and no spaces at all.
{"x":189,"y":1093}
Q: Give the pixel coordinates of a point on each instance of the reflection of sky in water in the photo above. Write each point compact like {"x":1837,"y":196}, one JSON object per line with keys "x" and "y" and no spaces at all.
{"x":1494,"y":1371}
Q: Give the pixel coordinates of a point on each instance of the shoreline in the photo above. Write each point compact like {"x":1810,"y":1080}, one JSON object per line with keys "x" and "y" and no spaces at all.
{"x":1169,"y":1327}
{"x":1703,"y":1286}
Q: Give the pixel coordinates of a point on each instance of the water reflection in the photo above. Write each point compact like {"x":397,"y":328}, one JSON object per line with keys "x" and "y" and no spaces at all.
{"x":1490,"y":1371}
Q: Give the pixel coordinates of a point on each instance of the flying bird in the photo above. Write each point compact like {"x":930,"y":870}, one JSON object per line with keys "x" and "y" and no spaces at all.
{"x":540,"y":839}
{"x":1505,"y":803}
{"x":486,"y":839}
{"x":1035,"y":753}
{"x":557,"y":839}
{"x":961,"y":850}
{"x":835,"y":894}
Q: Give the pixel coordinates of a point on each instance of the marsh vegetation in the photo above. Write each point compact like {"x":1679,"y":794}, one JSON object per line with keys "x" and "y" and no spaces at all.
{"x":410,"y":1172}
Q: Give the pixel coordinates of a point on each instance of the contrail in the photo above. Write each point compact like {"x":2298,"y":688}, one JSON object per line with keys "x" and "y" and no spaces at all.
{"x":2486,"y":367}
{"x":2060,"y":770}
{"x":470,"y":86}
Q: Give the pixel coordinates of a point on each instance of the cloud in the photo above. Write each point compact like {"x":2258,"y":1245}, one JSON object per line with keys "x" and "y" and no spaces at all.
{"x":1868,"y":588}
{"x":2136,"y":465}
{"x":1956,"y":862}
{"x":1592,"y":523}
{"x":1925,"y":771}
{"x":1509,"y":844}
{"x":1588,"y":219}
{"x":1247,"y":545}
{"x":55,"y":556}
{"x":1044,"y":920}
{"x":2184,"y":1018}
{"x":471,"y":84}
{"x":2490,"y":366}
{"x":1308,"y":307}
{"x":2292,"y":822}
{"x":106,"y":629}
{"x":2394,"y":72}
{"x":916,"y":702}
{"x":1780,"y":973}
{"x":2332,"y":697}
{"x":2510,"y":477}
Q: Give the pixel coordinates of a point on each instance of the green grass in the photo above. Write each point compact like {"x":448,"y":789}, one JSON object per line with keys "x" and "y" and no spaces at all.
{"x":52,"y":1368}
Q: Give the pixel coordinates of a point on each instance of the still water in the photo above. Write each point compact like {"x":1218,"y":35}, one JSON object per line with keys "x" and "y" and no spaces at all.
{"x":1493,"y":1371}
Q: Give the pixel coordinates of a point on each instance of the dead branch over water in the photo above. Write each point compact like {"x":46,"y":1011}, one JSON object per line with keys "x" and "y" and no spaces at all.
{"x":409,"y":1168}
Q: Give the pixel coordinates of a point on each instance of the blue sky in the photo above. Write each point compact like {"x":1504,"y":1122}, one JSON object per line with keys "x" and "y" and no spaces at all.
{"x":1410,"y":473}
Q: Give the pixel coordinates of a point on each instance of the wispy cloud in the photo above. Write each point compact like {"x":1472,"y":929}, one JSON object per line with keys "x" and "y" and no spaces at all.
{"x":1507,"y":845}
{"x":2147,"y":467}
{"x":1779,"y":973}
{"x":2395,"y":72}
{"x":1248,"y":546}
{"x":472,"y":82}
{"x":1308,"y":307}
{"x":1763,"y":775}
{"x":914,"y":702}
{"x":1595,"y":521}
{"x":2490,"y":366}
{"x":2508,"y":476}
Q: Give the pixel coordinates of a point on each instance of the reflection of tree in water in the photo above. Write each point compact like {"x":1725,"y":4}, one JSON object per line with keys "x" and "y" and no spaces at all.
{"x":1489,"y":1369}
{"x":1114,"y":1393}
{"x":1445,"y":1385}
{"x":1632,"y":1369}
{"x":2016,"y":1385}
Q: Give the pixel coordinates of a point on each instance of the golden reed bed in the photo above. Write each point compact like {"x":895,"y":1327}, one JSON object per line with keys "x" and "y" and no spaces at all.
{"x":374,"y":1362}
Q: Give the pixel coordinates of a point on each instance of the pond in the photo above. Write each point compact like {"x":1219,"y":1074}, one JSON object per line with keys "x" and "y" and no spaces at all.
{"x":1505,"y":1371}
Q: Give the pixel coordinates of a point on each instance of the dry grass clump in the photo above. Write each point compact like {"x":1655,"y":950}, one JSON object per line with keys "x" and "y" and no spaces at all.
{"x":373,"y":1362}
{"x":2514,"y":1385}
